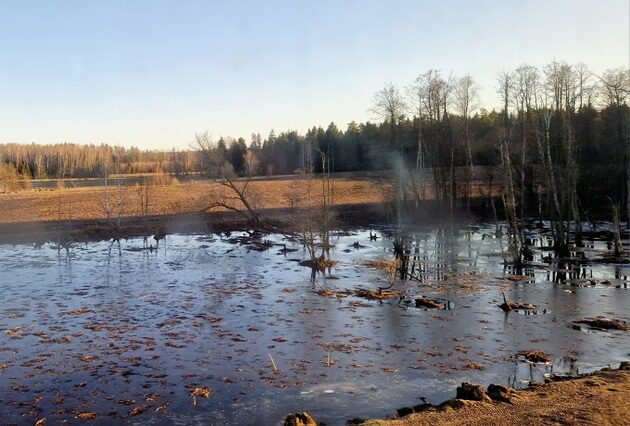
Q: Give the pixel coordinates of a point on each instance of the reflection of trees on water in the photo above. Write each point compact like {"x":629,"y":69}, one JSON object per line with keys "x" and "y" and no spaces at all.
{"x":529,"y":372}
{"x":412,"y":253}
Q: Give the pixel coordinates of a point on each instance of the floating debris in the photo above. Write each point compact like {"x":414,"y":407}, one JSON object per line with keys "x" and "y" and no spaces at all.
{"x":86,"y":415}
{"x":378,"y":294}
{"x":89,"y":358}
{"x":508,"y":306}
{"x":425,"y":302}
{"x":603,"y":324}
{"x":535,"y":356}
{"x":138,"y":410}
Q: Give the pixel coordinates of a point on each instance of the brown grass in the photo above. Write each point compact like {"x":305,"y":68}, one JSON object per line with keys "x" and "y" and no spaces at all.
{"x":600,"y":399}
{"x":86,"y":203}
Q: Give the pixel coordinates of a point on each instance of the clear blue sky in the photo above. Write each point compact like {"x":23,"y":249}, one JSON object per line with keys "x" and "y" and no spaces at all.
{"x":153,"y":73}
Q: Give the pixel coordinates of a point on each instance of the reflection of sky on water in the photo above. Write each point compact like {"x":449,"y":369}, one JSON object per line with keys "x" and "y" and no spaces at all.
{"x":203,"y":311}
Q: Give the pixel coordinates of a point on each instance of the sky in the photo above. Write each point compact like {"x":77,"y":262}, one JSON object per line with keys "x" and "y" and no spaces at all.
{"x":153,"y":73}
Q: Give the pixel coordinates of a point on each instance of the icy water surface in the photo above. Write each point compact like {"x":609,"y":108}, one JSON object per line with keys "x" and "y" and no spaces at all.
{"x":97,"y":329}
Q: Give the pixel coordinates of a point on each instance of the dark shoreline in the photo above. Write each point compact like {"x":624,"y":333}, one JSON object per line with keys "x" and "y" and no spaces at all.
{"x":275,"y":220}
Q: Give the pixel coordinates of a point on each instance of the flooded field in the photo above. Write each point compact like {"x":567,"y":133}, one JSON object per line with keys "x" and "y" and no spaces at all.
{"x":219,"y":329}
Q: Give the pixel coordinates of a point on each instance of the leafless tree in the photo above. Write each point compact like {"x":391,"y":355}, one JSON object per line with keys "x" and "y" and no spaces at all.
{"x":238,"y":196}
{"x":390,"y":106}
{"x":113,"y":200}
{"x":615,"y":86}
{"x":587,"y":86}
{"x":436,"y":92}
{"x":523,"y":86}
{"x":466,"y":97}
{"x":508,"y":196}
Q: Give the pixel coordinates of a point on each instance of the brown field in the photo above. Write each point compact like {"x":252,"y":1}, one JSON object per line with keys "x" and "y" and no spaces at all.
{"x":599,"y":399}
{"x":87,"y":203}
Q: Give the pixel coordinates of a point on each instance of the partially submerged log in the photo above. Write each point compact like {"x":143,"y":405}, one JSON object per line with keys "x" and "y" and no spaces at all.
{"x":425,"y":302}
{"x":535,"y":356}
{"x":603,"y":324}
{"x":508,"y":306}
{"x":380,"y":294}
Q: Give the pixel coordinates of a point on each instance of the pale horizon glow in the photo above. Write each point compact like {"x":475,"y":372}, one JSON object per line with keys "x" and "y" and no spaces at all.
{"x":151,"y":74}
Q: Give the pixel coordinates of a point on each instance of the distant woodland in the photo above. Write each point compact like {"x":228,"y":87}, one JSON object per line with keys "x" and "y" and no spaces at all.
{"x":560,"y":117}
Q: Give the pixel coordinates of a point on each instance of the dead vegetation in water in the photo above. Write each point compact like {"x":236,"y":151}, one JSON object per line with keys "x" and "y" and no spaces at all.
{"x":458,"y":283}
{"x":381,"y":264}
{"x":515,"y":278}
{"x":319,"y":264}
{"x":603,"y":324}
{"x":333,"y":293}
{"x":86,"y":415}
{"x":380,"y":294}
{"x":200,"y":392}
{"x":535,"y":356}
{"x":508,"y":306}
{"x":425,"y":302}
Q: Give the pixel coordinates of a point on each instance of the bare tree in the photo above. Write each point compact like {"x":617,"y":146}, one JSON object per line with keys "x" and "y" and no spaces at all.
{"x":237,"y":196}
{"x":615,"y":86}
{"x":416,"y":95}
{"x":586,"y":85}
{"x":389,"y":105}
{"x":508,"y":196}
{"x":466,"y":97}
{"x":523,"y":86}
{"x":436,"y":93}
{"x":113,"y":200}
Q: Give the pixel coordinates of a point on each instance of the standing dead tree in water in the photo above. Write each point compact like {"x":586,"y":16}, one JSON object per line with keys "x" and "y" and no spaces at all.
{"x":312,"y":215}
{"x":465,"y":102}
{"x":389,"y":105}
{"x":416,"y":94}
{"x":237,"y":195}
{"x":508,"y":196}
{"x":523,"y":88}
{"x":432,"y":94}
{"x":557,"y":150}
{"x":616,"y":229}
{"x":615,"y":89}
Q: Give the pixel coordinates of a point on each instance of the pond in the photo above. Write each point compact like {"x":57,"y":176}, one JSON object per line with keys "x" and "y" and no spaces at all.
{"x":123,"y":332}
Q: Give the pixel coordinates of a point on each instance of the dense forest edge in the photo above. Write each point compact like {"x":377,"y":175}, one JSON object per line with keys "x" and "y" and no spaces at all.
{"x":562,"y":134}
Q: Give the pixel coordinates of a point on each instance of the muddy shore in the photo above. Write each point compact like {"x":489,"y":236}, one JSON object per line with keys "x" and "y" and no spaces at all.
{"x":275,"y":220}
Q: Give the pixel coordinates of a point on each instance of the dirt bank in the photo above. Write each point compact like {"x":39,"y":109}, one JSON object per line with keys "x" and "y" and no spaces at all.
{"x":602,"y":398}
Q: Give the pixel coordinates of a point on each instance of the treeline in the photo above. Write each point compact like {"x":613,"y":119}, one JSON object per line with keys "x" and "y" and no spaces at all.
{"x":70,"y":160}
{"x":559,"y":114}
{"x":561,"y":120}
